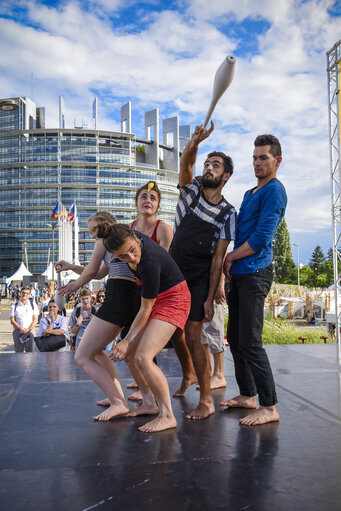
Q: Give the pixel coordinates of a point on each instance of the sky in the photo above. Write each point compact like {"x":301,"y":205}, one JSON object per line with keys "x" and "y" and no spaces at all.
{"x":164,"y":55}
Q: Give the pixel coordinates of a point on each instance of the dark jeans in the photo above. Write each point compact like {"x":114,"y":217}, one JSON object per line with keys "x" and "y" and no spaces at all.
{"x":244,"y":334}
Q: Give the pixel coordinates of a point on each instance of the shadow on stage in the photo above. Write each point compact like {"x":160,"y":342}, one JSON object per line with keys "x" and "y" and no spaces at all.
{"x":53,"y":456}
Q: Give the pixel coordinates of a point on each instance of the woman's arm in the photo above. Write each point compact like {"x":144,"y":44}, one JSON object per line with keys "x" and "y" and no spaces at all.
{"x":164,"y":235}
{"x":90,"y":271}
{"x":43,"y":324}
{"x":140,"y":321}
{"x":102,"y":272}
{"x":62,"y":329}
{"x":65,"y":266}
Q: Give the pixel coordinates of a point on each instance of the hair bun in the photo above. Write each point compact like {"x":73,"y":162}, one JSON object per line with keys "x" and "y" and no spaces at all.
{"x":103,"y":229}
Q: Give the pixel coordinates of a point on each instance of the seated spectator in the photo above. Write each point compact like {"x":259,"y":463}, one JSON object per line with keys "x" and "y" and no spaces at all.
{"x":81,"y":316}
{"x":53,"y":323}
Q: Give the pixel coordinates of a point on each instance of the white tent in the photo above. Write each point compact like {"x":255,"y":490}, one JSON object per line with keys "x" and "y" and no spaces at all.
{"x":48,"y":272}
{"x":21,"y":272}
{"x":68,"y":276}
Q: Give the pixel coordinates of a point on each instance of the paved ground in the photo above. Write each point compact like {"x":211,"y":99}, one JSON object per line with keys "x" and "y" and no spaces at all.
{"x":6,"y":340}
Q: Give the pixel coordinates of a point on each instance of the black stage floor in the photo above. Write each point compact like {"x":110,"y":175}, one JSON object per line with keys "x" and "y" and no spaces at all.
{"x":54,"y":457}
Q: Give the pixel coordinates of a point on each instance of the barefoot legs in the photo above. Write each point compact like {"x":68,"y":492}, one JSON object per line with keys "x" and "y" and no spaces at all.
{"x":91,"y":358}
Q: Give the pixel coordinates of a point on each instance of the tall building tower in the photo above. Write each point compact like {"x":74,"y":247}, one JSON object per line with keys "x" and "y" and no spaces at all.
{"x":98,"y":170}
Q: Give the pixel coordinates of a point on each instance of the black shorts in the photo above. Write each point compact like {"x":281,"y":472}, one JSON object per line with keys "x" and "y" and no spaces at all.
{"x":122,"y":302}
{"x":199,"y":291}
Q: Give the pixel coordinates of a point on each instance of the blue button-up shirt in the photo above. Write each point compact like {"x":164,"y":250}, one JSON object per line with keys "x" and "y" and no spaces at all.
{"x":258,"y":220}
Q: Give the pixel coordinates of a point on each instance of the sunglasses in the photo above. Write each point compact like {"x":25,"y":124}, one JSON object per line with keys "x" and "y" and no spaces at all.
{"x":101,"y":296}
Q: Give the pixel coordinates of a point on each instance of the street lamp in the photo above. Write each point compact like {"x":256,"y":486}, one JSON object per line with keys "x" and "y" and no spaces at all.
{"x":298,"y":262}
{"x":52,"y":227}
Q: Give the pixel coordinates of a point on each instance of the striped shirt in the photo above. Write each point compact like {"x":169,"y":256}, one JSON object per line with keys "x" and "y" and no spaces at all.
{"x":191,"y":196}
{"x":116,"y":267}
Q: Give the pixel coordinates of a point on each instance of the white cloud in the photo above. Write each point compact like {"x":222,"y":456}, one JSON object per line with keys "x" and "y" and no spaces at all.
{"x":170,"y":62}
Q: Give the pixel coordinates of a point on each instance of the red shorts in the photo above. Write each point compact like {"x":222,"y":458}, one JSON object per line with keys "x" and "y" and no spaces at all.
{"x":173,"y":305}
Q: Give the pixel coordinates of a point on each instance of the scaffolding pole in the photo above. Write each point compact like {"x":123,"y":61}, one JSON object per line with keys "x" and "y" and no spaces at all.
{"x":334,"y":102}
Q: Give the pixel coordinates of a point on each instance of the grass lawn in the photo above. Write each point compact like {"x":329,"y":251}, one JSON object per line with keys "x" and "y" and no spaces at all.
{"x":281,"y":331}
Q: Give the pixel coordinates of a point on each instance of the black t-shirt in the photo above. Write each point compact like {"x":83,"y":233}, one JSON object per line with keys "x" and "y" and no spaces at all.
{"x":156,"y":270}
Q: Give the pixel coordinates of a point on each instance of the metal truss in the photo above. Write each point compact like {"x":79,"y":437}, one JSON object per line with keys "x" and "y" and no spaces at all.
{"x":334,"y":107}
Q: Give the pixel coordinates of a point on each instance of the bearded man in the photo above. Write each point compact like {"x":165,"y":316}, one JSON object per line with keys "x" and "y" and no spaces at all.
{"x":205,"y":223}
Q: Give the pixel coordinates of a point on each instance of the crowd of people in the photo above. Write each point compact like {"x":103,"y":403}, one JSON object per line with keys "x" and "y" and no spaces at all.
{"x":166,"y":286}
{"x":30,"y":310}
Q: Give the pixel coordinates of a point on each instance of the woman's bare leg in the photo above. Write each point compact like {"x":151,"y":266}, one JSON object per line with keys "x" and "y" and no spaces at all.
{"x":103,"y":373}
{"x":148,"y":406}
{"x":155,"y":336}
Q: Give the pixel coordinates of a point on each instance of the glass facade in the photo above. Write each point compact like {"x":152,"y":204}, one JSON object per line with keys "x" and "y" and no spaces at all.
{"x":39,"y":167}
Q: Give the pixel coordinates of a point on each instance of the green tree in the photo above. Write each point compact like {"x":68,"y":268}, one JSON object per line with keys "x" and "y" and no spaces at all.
{"x":328,"y":269}
{"x":317,"y":259}
{"x":285,"y":270}
{"x":330,"y":254}
{"x":307,"y":276}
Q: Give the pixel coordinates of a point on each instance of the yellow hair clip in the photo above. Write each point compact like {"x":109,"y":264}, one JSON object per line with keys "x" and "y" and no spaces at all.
{"x":150,"y":186}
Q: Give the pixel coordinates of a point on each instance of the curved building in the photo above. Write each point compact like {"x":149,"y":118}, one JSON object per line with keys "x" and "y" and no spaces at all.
{"x":98,"y":170}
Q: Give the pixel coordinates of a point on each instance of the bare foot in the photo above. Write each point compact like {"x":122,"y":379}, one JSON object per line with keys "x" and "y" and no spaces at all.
{"x":263,"y":415}
{"x":144,"y":410}
{"x":113,"y":412}
{"x":137,"y":396}
{"x":132,"y":385}
{"x":160,"y":423}
{"x":104,"y":402}
{"x":202,"y":411}
{"x":217,"y":382}
{"x":240,"y":402}
{"x":185,"y":384}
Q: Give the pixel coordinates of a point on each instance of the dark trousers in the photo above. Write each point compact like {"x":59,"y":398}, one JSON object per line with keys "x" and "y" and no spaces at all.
{"x":20,"y":347}
{"x":244,"y":334}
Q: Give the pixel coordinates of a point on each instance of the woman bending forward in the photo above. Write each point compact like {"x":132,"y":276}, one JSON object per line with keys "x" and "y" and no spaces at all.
{"x":165,"y":305}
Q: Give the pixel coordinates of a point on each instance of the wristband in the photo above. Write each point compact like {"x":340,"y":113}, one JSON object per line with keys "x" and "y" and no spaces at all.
{"x":22,"y":330}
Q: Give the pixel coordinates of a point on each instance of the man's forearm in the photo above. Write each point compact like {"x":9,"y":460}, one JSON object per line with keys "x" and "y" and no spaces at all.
{"x":189,"y":154}
{"x":16,"y":325}
{"x":33,"y":324}
{"x":243,"y":251}
{"x":215,"y":276}
{"x":187,"y":162}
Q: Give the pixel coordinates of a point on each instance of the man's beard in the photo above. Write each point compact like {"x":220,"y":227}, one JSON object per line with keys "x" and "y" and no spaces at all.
{"x":212,"y":183}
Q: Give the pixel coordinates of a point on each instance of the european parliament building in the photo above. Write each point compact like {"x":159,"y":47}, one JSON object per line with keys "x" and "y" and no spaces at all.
{"x":98,"y":170}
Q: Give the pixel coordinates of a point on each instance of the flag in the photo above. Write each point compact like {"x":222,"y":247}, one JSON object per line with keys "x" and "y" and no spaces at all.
{"x":72,"y":213}
{"x":63,"y":214}
{"x":56,"y":211}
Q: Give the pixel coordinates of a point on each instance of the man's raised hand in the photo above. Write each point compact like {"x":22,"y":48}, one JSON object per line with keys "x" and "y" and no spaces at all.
{"x":200,"y":133}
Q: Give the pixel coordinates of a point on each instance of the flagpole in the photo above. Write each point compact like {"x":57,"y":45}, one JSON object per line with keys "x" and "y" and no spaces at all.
{"x":76,"y":234}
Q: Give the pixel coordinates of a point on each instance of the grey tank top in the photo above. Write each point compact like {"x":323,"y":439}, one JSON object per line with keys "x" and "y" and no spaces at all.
{"x":116,"y":267}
